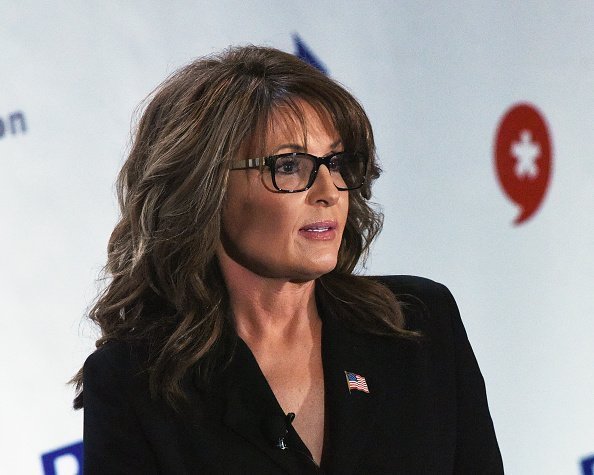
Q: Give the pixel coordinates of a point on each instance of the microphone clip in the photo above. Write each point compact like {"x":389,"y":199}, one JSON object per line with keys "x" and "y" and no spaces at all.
{"x":280,"y":443}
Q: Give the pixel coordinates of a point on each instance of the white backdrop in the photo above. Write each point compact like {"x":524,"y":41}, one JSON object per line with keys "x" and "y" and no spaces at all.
{"x":436,"y":80}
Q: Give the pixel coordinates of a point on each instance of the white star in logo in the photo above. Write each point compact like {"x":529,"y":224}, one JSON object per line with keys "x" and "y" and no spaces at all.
{"x":526,"y":152}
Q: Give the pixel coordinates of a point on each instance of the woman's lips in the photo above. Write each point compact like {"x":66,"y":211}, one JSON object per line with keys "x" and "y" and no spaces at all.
{"x":319,"y":231}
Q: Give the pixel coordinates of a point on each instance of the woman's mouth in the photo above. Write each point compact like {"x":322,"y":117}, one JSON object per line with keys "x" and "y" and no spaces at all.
{"x":321,"y":230}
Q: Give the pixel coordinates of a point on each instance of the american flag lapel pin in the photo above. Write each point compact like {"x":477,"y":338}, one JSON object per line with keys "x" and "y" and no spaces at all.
{"x":356,"y":382}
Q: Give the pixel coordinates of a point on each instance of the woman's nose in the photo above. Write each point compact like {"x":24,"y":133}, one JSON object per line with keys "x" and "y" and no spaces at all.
{"x":323,"y":189}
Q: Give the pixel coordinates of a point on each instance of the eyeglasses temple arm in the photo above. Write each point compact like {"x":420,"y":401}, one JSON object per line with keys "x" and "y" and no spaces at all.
{"x":247,"y":163}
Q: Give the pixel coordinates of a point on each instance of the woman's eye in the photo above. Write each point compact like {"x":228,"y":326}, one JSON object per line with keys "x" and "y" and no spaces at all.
{"x":335,"y":164}
{"x":287,"y":166}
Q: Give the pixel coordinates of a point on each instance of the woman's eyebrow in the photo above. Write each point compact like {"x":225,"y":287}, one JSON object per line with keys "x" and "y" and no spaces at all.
{"x":291,"y":146}
{"x":300,"y":148}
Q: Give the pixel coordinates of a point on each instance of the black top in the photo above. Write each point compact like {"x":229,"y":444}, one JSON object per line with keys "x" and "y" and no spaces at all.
{"x":426,"y":411}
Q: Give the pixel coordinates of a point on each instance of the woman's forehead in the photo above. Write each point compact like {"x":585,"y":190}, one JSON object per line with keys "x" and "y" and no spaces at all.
{"x":295,"y":123}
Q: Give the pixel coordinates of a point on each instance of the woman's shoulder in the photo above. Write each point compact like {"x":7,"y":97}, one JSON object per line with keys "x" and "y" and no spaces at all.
{"x":114,"y":362}
{"x":428,"y":305}
{"x":412,"y":285}
{"x":113,"y":353}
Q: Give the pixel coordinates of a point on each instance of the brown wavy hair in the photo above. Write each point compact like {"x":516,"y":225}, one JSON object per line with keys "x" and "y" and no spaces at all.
{"x":165,"y":290}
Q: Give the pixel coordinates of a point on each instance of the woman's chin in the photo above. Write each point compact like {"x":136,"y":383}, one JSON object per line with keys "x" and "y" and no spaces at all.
{"x":315,"y":269}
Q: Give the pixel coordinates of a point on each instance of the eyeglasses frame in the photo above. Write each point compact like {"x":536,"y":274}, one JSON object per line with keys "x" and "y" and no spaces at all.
{"x":270,"y":161}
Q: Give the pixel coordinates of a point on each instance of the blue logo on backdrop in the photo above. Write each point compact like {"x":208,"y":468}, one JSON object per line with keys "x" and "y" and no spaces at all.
{"x":588,"y":465}
{"x":64,"y":460}
{"x":303,"y":52}
{"x":14,"y":124}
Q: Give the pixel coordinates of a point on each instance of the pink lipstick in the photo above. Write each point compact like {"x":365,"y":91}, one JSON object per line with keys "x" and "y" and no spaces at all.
{"x":319,"y":231}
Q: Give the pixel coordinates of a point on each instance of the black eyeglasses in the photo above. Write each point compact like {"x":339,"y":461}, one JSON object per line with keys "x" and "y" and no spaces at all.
{"x":297,"y":171}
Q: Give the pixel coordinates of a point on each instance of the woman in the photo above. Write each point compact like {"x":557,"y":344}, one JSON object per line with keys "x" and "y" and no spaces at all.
{"x":235,"y":336}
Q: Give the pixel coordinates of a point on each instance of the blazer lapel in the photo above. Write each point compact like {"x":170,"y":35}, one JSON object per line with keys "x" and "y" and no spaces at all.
{"x":251,"y":406}
{"x":350,"y":414}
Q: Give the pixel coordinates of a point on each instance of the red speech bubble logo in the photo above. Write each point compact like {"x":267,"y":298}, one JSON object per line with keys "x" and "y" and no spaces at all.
{"x":523,"y":158}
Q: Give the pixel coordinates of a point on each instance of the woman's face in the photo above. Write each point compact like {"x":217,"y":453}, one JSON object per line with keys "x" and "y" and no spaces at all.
{"x":292,"y":236}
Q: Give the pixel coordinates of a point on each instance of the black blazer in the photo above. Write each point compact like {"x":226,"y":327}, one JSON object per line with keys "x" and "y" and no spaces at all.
{"x":426,"y":411}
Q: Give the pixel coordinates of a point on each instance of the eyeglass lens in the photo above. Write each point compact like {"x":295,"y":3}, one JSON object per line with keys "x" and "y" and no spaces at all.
{"x":293,"y":172}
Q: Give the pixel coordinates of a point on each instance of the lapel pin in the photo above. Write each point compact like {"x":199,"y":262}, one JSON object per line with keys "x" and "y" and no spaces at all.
{"x":356,"y":382}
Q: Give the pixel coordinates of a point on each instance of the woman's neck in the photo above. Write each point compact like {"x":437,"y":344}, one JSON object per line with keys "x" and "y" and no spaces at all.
{"x":272,"y":310}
